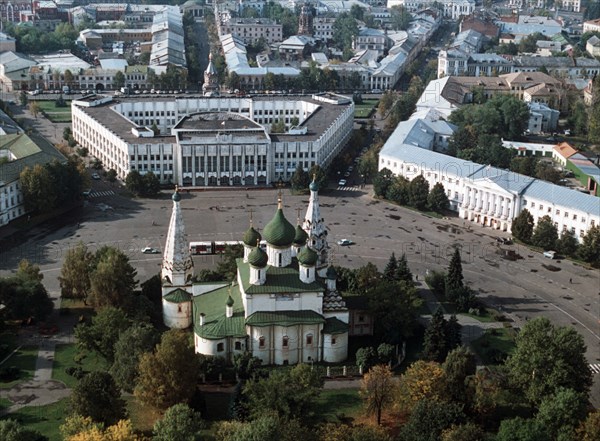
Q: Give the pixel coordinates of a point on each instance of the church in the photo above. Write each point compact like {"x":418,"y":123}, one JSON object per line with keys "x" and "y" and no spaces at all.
{"x":283,"y":306}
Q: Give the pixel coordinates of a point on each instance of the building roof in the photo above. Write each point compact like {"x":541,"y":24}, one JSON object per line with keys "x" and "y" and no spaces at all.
{"x":563,"y":196}
{"x":216,"y":324}
{"x":284,"y":318}
{"x":333,"y":325}
{"x":565,"y":150}
{"x":178,"y":296}
{"x":279,"y":280}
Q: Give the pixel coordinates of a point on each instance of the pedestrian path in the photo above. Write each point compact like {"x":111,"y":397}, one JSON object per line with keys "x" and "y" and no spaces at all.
{"x":349,"y":188}
{"x":98,"y":194}
{"x":595,"y":367}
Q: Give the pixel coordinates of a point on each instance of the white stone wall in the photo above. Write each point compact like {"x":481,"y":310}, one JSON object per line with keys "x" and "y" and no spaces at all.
{"x":303,"y":344}
{"x":177,"y":315}
{"x":294,"y":302}
{"x":335,"y":347}
{"x":12,"y":204}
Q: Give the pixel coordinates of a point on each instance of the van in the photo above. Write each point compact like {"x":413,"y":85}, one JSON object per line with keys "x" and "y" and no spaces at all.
{"x":66,"y":90}
{"x":550,"y":254}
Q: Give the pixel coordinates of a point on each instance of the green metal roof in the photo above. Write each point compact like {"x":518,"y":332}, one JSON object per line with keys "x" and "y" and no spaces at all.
{"x":258,"y":258}
{"x":178,"y":296}
{"x":307,"y":256}
{"x":279,"y":232}
{"x":284,"y":318}
{"x":279,"y":280}
{"x":212,"y":305}
{"x":252,"y":237}
{"x":301,"y":236}
{"x":29,"y":151}
{"x":333,"y":325}
{"x":223,"y":327}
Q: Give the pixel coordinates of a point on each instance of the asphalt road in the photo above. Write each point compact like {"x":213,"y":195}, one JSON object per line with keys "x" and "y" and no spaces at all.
{"x":529,"y":287}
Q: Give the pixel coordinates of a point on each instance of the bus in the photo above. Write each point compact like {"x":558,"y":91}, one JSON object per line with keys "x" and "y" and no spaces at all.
{"x":216,"y":247}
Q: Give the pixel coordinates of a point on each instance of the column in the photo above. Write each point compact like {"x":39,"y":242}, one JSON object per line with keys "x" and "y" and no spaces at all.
{"x":505,"y":209}
{"x":486,"y":201}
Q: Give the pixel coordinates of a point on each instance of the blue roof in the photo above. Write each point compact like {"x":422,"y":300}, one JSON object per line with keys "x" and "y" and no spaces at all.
{"x":509,"y":181}
{"x":564,"y":196}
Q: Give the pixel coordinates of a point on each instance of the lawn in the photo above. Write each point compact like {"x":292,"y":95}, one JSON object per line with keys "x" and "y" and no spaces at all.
{"x":44,"y":419}
{"x":24,"y":359}
{"x":365,"y":109}
{"x":65,"y":357}
{"x":337,"y":405}
{"x":55,"y":114}
{"x":495,"y":345}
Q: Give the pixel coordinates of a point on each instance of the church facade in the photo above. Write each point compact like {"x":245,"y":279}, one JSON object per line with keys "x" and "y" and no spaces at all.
{"x":283,"y":306}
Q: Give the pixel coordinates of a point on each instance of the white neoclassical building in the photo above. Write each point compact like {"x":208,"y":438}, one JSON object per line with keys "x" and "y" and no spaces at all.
{"x":490,"y":196}
{"x":283,"y":306}
{"x":199,"y":141}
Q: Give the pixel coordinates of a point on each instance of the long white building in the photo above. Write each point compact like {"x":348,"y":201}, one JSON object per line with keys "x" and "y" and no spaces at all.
{"x":200,"y":141}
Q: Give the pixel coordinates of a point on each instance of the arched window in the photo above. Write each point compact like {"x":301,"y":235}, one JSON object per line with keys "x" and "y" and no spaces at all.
{"x":238,"y":345}
{"x":279,"y":257}
{"x":285,"y":341}
{"x":220,"y":347}
{"x":261,"y":342}
{"x":309,"y":340}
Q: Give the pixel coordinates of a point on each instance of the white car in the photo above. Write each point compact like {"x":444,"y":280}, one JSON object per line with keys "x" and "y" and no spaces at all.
{"x":345,"y":242}
{"x":342,"y":183}
{"x":550,"y":254}
{"x":150,"y":250}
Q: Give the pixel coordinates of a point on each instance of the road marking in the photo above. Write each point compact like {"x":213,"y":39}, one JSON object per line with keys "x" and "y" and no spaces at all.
{"x":352,"y":188}
{"x":595,"y":368}
{"x":97,"y":194}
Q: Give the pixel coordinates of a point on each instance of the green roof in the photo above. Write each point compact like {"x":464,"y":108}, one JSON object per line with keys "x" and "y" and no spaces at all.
{"x":258,"y":258}
{"x":178,"y":296}
{"x":284,"y":318}
{"x":252,"y":237}
{"x":333,"y":325}
{"x":279,"y":280}
{"x":29,"y":151}
{"x":301,"y":236}
{"x":212,"y":305}
{"x":307,"y":256}
{"x":279,"y":232}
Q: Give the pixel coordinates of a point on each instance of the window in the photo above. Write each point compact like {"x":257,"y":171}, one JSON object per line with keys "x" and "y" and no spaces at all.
{"x":581,"y":233}
{"x":220,"y":347}
{"x":532,"y":205}
{"x":541,"y":207}
{"x":238,"y":345}
{"x":333,"y":340}
{"x":592,"y":222}
{"x":557,"y":211}
{"x":309,"y":340}
{"x":285,"y":341}
{"x":179,"y":308}
{"x":574,"y":217}
{"x":566,"y":214}
{"x":361,"y":318}
{"x":261,"y":342}
{"x":549,"y":209}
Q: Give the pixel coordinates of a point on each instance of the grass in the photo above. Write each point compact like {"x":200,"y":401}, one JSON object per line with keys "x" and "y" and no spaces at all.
{"x":44,"y":419}
{"x":336,"y":405}
{"x":487,"y":315}
{"x":56,"y":114}
{"x":64,"y":357}
{"x":24,"y":359}
{"x":495,"y":345}
{"x":365,"y":109}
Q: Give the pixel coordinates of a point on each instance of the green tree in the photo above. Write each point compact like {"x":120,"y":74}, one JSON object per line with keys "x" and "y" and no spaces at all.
{"x":589,"y":430}
{"x":524,"y":165}
{"x":400,"y":18}
{"x":135,"y":182}
{"x":180,"y":423}
{"x":547,"y":358}
{"x":520,"y":429}
{"x":357,"y":12}
{"x":24,"y":297}
{"x":589,"y":250}
{"x":39,"y":193}
{"x":528,"y":44}
{"x":460,"y":363}
{"x":300,"y":179}
{"x":168,"y":375}
{"x":111,"y":175}
{"x":75,"y":424}
{"x":12,"y":430}
{"x":398,"y":191}
{"x":522,"y":226}
{"x":454,"y":276}
{"x":561,"y":413}
{"x":391,"y":268}
{"x":285,"y":393}
{"x":435,"y":346}
{"x":567,"y":244}
{"x":463,"y":432}
{"x":429,"y":419}
{"x":27,"y":271}
{"x":132,"y":343}
{"x":119,"y":80}
{"x":386,"y":352}
{"x":246,"y":365}
{"x":366,"y":358}
{"x":317,"y":174}
{"x":103,"y":332}
{"x":403,"y":272}
{"x":151,"y":184}
{"x":418,"y":191}
{"x":377,"y":390}
{"x":383,"y":180}
{"x":227,"y":266}
{"x":545,"y":234}
{"x":547,"y":172}
{"x":344,"y":31}
{"x":113,"y":279}
{"x":98,"y":397}
{"x":386,"y":102}
{"x":264,"y":428}
{"x":437,"y":200}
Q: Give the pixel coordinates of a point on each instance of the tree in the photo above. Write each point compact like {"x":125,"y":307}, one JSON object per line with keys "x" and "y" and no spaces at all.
{"x":300,"y":179}
{"x":132,"y":343}
{"x":382,"y":182}
{"x":429,"y":419}
{"x":121,"y":431}
{"x":119,"y":80}
{"x":463,"y":432}
{"x":285,"y":394}
{"x":135,"y":182}
{"x":520,"y":429}
{"x":437,"y":200}
{"x":344,"y":31}
{"x":34,"y":108}
{"x":75,"y":273}
{"x":29,"y":272}
{"x":246,"y":365}
{"x":113,"y":279}
{"x":459,"y":364}
{"x":98,"y":397}
{"x":24,"y":296}
{"x":454,"y":276}
{"x":151,"y":185}
{"x":435,"y":340}
{"x":423,"y":380}
{"x":180,"y":423}
{"x":386,"y":352}
{"x":357,"y":12}
{"x":377,"y":390}
{"x":391,"y":268}
{"x":524,"y":165}
{"x":75,"y":424}
{"x":589,"y":430}
{"x":398,"y":190}
{"x":342,"y":432}
{"x":264,"y":428}
{"x":111,"y":175}
{"x":522,"y":226}
{"x":547,"y":358}
{"x":403,"y":272}
{"x":12,"y":430}
{"x":38,"y":190}
{"x":400,"y":18}
{"x":366,"y":358}
{"x":168,"y":375}
{"x":561,"y":413}
{"x":317,"y":174}
{"x":545,"y":234}
{"x":418,"y":191}
{"x":227,"y":266}
{"x":453,"y":333}
{"x":103,"y":332}
{"x":589,"y":250}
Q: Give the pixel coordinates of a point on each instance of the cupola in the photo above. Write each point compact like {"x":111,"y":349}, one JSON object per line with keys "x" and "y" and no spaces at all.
{"x":307,"y":259}
{"x":279,"y":234}
{"x":257,"y":260}
{"x":250,"y":239}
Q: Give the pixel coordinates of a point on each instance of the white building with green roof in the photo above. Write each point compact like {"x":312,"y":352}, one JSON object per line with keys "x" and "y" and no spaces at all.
{"x":278,"y":307}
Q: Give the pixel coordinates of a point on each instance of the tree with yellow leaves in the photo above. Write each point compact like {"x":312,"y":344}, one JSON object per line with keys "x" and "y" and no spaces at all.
{"x":377,"y":389}
{"x":422,"y":380}
{"x":122,"y":431}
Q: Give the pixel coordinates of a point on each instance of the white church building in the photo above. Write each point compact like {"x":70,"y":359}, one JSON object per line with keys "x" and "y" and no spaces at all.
{"x":283,"y":306}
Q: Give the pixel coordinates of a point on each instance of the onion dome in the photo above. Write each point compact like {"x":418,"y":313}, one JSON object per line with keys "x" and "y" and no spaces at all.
{"x":176,"y":196}
{"x":308,"y":257}
{"x":314,"y":186}
{"x":301,"y":236}
{"x":251,"y":237}
{"x":279,"y":232}
{"x":331,"y":273}
{"x":258,"y":258}
{"x":229,"y":301}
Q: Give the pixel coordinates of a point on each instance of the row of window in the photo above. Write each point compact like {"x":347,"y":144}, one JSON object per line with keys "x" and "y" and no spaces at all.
{"x":557,"y":212}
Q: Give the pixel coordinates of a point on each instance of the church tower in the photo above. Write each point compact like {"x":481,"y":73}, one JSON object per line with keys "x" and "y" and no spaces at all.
{"x":305,"y":21}
{"x":314,"y":225}
{"x":211,"y":79}
{"x":176,"y":272}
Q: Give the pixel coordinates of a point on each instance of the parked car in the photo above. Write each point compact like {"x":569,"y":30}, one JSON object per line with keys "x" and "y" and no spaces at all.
{"x":342,"y":183}
{"x":96,"y":176}
{"x":345,"y":242}
{"x":150,"y":250}
{"x":550,"y":254}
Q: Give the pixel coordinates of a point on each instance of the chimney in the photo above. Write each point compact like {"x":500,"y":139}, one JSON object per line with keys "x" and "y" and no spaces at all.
{"x":202,"y":318}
